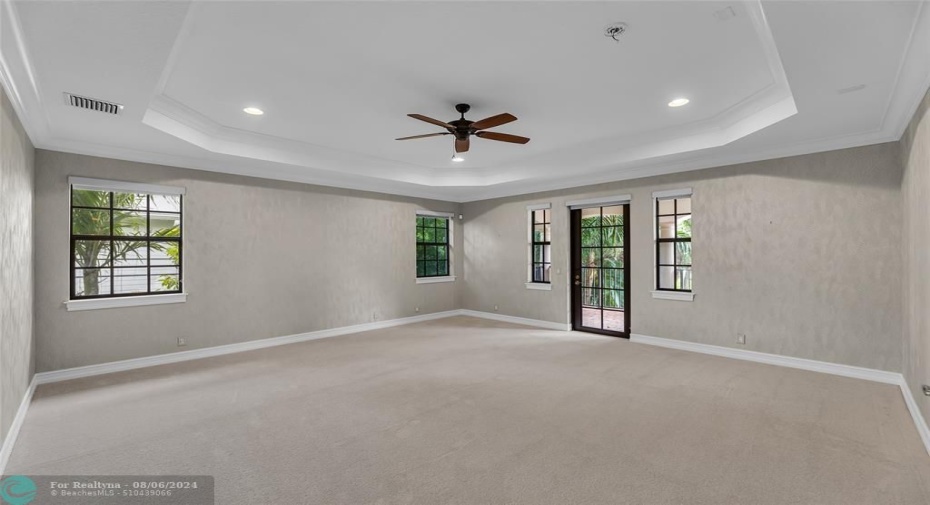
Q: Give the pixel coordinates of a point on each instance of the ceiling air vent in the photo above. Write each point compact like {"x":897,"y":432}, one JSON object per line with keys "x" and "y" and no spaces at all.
{"x":83,"y":102}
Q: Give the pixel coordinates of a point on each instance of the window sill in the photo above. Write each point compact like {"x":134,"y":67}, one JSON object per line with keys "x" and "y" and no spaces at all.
{"x":540,"y":286}
{"x":124,"y":301}
{"x":681,"y":296}
{"x":433,"y":280}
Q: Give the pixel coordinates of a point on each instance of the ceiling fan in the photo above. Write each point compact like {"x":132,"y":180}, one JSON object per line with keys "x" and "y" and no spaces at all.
{"x":463,"y":129}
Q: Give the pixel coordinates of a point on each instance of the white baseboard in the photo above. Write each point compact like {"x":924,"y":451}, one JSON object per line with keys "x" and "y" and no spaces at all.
{"x":11,"y":435}
{"x":774,"y":359}
{"x":175,"y":357}
{"x":803,"y":364}
{"x":549,"y":325}
{"x":918,"y":417}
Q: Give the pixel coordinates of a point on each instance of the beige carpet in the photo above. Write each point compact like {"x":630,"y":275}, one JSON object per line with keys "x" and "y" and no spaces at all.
{"x":470,"y":411}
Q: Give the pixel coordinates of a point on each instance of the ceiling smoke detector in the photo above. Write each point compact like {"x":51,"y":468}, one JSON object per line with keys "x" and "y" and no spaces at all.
{"x":83,"y":102}
{"x":616,"y":30}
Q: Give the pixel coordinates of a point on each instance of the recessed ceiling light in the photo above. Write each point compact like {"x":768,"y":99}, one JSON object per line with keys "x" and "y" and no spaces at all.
{"x":678,"y":102}
{"x":255,"y":111}
{"x":457,"y":158}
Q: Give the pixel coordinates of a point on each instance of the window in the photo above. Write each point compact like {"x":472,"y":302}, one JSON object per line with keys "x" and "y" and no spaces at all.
{"x":433,"y":233}
{"x":540,"y":245}
{"x":125,"y":239}
{"x":673,"y":240}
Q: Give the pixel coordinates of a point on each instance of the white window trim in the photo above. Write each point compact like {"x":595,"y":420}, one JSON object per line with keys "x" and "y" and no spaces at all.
{"x":105,"y":185}
{"x":604,"y":201}
{"x":434,"y":280}
{"x":446,"y":278}
{"x":124,"y":301}
{"x":680,"y":296}
{"x":539,"y":286}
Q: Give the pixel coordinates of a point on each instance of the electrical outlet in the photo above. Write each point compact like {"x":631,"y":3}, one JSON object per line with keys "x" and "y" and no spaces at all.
{"x":182,"y":341}
{"x":416,"y":309}
{"x":495,"y":308}
{"x":741,"y":338}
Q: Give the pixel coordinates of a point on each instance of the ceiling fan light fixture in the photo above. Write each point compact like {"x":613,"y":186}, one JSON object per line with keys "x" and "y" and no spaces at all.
{"x":457,"y":158}
{"x":678,"y":102}
{"x":253,"y":111}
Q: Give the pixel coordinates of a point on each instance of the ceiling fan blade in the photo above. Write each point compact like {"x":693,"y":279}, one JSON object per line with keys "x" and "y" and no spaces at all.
{"x":430,"y":120}
{"x":491,"y":122}
{"x":461,"y":145}
{"x":424,"y":136}
{"x":503,"y":137}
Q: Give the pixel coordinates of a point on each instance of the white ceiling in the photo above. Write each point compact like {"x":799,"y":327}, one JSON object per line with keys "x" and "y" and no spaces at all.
{"x":336,"y":80}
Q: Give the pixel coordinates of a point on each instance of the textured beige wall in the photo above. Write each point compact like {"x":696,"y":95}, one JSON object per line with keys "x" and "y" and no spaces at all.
{"x":262,"y":259}
{"x":915,"y":156}
{"x":801,"y":254}
{"x":17,"y":359}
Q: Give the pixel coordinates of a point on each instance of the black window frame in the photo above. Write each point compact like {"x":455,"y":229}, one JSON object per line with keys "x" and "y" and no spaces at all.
{"x":427,"y":251}
{"x":112,"y":238}
{"x":545,"y":242}
{"x":674,"y":241}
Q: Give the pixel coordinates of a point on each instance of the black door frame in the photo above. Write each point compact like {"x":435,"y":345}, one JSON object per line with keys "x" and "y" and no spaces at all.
{"x":575,"y":278}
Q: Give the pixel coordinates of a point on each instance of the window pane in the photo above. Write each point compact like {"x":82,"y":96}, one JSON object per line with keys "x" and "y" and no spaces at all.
{"x":442,"y":236}
{"x":431,"y":253}
{"x":613,"y":236}
{"x":134,"y":201}
{"x":613,"y":257}
{"x":130,"y":253}
{"x":130,"y":280}
{"x":92,"y":281}
{"x":421,"y":269}
{"x":165,"y":279}
{"x":591,"y":297}
{"x":91,"y":253}
{"x":431,"y":268}
{"x":683,"y":278}
{"x":613,"y":278}
{"x":666,"y":207}
{"x":128,"y":223}
{"x":667,"y":227}
{"x":613,"y":298}
{"x":420,"y":221}
{"x":684,"y":226}
{"x":683,"y":256}
{"x":591,"y":277}
{"x":684,"y":206}
{"x":165,"y":254}
{"x":539,"y":233}
{"x":591,"y":217}
{"x":666,"y":277}
{"x":90,"y":222}
{"x":546,"y":272}
{"x":666,"y":253}
{"x":441,"y":252}
{"x":443,"y":268}
{"x":590,"y":237}
{"x":165,"y":225}
{"x":165,"y":203}
{"x":538,"y":253}
{"x":442,"y":223}
{"x":421,"y":252}
{"x":591,"y":257}
{"x":429,"y":234}
{"x":90,"y":198}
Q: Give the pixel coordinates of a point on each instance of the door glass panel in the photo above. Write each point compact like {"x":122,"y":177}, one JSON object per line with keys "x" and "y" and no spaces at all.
{"x":600,"y":263}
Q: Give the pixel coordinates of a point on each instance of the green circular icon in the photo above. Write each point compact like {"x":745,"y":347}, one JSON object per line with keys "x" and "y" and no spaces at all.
{"x":17,"y":490}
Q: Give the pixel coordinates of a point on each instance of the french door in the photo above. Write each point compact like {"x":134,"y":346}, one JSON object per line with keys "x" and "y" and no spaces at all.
{"x":600,"y":270}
